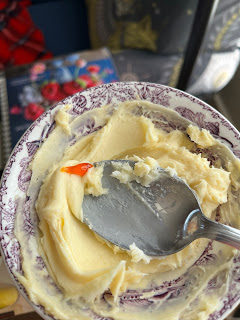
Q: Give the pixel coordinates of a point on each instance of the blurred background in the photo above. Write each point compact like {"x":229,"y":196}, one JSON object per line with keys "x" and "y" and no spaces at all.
{"x":191,"y":45}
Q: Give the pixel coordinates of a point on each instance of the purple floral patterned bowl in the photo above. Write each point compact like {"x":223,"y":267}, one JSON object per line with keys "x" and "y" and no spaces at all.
{"x":16,"y":177}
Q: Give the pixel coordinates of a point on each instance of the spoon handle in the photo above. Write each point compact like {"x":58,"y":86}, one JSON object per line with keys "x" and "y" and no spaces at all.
{"x":219,"y":232}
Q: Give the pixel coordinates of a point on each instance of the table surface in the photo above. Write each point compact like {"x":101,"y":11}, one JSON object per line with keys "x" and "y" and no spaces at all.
{"x":21,"y":306}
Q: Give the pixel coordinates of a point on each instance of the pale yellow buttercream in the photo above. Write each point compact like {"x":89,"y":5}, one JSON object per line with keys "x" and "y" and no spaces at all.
{"x":80,"y":263}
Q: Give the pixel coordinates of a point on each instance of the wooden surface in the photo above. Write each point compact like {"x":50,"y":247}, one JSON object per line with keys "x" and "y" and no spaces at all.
{"x":18,"y":308}
{"x":25,"y":316}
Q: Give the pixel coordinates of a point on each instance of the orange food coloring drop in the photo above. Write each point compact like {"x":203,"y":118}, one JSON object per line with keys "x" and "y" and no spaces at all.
{"x":80,"y":169}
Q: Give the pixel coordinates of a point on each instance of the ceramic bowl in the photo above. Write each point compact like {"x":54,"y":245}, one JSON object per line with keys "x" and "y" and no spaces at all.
{"x":16,"y":178}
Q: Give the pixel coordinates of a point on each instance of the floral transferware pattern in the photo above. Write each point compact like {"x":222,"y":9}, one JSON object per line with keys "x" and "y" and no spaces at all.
{"x":17,"y":176}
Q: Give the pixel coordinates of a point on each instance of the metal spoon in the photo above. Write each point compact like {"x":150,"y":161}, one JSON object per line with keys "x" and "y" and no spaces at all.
{"x":160,"y":219}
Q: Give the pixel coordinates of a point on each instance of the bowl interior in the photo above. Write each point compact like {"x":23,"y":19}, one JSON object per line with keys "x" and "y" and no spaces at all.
{"x":16,"y":176}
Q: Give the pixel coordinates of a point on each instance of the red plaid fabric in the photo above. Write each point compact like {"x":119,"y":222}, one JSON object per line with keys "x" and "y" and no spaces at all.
{"x":20,"y":40}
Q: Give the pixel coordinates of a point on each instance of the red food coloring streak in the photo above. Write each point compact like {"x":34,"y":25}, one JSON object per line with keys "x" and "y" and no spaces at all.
{"x":80,"y":169}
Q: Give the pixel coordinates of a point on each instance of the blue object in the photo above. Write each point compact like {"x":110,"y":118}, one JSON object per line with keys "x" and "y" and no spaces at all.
{"x":63,"y":23}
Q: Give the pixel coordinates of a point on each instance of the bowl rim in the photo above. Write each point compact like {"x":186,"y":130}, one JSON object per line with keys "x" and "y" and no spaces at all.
{"x":21,"y":141}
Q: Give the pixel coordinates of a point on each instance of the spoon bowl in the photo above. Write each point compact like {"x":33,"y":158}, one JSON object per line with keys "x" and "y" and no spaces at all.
{"x":160,"y":219}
